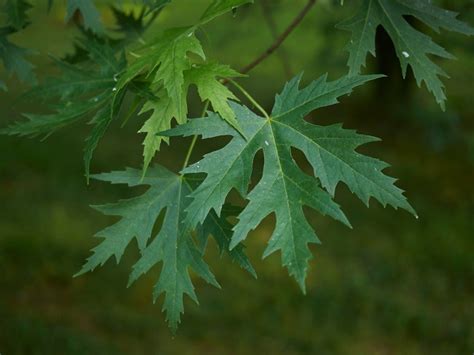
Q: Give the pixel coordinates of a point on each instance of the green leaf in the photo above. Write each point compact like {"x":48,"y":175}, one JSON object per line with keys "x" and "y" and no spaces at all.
{"x":167,"y":57}
{"x":205,"y":77}
{"x":220,"y":7}
{"x":164,"y":110}
{"x":173,"y":61}
{"x":173,"y":245}
{"x":284,"y":189}
{"x":89,"y":13}
{"x":412,"y":46}
{"x":83,"y":91}
{"x":155,"y":5}
{"x":45,"y":124}
{"x":101,"y":123}
{"x":13,"y":58}
{"x":167,"y":62}
{"x":221,"y":230}
{"x":129,"y":25}
{"x":16,"y":13}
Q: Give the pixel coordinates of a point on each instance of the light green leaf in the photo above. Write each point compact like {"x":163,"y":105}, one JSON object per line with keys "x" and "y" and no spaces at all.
{"x":164,"y":110}
{"x":166,"y":59}
{"x":284,"y":189}
{"x":173,"y":61}
{"x":412,"y":46}
{"x":205,"y":77}
{"x":173,"y":246}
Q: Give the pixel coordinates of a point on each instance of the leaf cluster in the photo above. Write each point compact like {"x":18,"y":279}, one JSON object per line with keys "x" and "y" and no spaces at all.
{"x":108,"y":65}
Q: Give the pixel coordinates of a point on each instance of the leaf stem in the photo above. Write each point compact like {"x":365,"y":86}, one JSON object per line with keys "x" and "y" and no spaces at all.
{"x":193,"y":142}
{"x":131,"y":111}
{"x":251,"y":99}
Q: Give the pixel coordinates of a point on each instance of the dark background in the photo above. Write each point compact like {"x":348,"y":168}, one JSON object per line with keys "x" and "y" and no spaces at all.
{"x":392,"y":285}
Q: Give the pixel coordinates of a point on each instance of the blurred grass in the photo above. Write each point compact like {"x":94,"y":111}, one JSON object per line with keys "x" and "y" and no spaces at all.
{"x":392,"y":285}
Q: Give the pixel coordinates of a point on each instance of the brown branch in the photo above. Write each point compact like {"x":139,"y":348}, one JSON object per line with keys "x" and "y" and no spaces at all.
{"x":282,"y":55}
{"x":280,"y":39}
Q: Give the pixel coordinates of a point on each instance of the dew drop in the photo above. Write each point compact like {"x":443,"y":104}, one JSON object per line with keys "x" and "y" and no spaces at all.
{"x":266,"y":143}
{"x":114,"y":89}
{"x":405,"y":54}
{"x":115,"y":77}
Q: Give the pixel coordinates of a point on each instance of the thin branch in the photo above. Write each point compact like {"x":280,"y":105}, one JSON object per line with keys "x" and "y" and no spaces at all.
{"x":282,"y":54}
{"x":280,"y":39}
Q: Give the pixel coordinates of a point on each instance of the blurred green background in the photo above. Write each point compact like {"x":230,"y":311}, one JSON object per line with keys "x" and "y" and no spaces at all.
{"x":392,"y":285}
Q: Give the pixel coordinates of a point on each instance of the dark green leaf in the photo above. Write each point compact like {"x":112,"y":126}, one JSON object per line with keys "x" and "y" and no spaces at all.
{"x":15,"y":11}
{"x":173,"y":246}
{"x":221,"y":230}
{"x":412,"y":47}
{"x":89,"y":13}
{"x":13,"y":58}
{"x":284,"y":189}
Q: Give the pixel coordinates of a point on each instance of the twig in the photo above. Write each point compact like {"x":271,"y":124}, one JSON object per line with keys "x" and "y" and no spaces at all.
{"x":280,"y":39}
{"x":282,"y":54}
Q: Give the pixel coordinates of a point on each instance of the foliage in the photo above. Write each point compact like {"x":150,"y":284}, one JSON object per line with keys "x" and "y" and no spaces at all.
{"x":412,"y":46}
{"x":284,"y":189}
{"x":109,"y":65}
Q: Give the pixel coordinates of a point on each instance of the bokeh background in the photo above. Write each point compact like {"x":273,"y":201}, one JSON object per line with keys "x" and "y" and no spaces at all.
{"x":392,"y":285}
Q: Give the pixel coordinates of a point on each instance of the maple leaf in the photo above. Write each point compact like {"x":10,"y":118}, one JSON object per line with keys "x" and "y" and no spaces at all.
{"x":88,"y":11}
{"x":13,"y":58}
{"x":284,"y":188}
{"x":166,"y":58}
{"x":173,"y":245}
{"x":16,"y":13}
{"x":221,"y":230}
{"x":163,"y":111}
{"x":84,"y":91}
{"x":169,"y":65}
{"x":412,"y":46}
{"x":129,"y":25}
{"x":205,"y":77}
